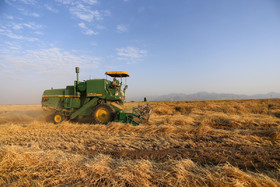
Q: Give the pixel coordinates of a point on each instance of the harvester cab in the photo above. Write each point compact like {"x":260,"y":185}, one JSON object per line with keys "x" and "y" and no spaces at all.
{"x":99,"y":100}
{"x":117,"y":84}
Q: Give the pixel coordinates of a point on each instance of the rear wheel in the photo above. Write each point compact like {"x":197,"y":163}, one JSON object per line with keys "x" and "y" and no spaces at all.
{"x":58,"y":118}
{"x":103,"y":114}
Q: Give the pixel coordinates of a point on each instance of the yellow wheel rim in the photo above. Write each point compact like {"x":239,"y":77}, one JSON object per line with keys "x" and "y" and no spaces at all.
{"x":102,"y":115}
{"x":57,"y":118}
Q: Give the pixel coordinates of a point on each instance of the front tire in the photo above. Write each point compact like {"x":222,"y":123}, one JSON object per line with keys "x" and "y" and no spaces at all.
{"x":58,"y":118}
{"x":103,"y":114}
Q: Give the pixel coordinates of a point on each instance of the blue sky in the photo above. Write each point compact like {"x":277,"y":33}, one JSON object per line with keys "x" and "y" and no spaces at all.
{"x":182,"y":46}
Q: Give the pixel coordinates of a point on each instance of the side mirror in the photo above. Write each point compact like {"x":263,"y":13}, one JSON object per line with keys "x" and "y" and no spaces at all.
{"x":125,"y":88}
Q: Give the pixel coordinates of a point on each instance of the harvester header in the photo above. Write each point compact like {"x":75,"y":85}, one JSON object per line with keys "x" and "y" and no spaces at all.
{"x":99,"y":100}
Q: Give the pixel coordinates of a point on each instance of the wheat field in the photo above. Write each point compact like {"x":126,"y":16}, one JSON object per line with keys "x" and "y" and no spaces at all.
{"x":199,"y":143}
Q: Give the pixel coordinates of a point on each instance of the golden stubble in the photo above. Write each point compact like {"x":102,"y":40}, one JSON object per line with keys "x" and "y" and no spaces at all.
{"x":199,"y":143}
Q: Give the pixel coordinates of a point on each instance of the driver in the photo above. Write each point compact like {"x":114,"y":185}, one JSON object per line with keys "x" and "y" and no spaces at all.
{"x":115,"y":83}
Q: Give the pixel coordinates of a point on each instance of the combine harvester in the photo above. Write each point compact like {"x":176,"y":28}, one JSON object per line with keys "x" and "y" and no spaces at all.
{"x":99,"y":100}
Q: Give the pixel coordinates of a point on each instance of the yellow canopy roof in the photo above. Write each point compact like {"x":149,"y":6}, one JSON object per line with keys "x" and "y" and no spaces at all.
{"x":117,"y":73}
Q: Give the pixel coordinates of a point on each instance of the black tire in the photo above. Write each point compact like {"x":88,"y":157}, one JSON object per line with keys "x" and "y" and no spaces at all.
{"x":58,"y":117}
{"x":103,"y":114}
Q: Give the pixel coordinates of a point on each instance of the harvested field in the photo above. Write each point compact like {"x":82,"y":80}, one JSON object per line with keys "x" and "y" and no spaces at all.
{"x":200,"y":143}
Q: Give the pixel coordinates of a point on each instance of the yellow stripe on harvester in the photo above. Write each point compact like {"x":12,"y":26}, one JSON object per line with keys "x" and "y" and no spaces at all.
{"x":60,"y":96}
{"x":93,"y":94}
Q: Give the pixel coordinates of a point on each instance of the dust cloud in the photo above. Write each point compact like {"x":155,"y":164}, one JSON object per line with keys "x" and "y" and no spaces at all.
{"x":22,"y":114}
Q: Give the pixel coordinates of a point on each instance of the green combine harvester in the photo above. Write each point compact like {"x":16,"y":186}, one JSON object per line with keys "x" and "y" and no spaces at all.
{"x":99,"y":100}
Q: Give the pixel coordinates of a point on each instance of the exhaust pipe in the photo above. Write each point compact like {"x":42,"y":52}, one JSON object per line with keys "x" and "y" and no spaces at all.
{"x":76,"y":93}
{"x":77,"y":71}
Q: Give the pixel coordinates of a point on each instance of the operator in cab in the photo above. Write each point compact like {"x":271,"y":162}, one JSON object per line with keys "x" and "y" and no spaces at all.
{"x":115,"y":83}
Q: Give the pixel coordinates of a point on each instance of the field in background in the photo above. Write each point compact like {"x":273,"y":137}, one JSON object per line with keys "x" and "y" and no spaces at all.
{"x":204,"y":143}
